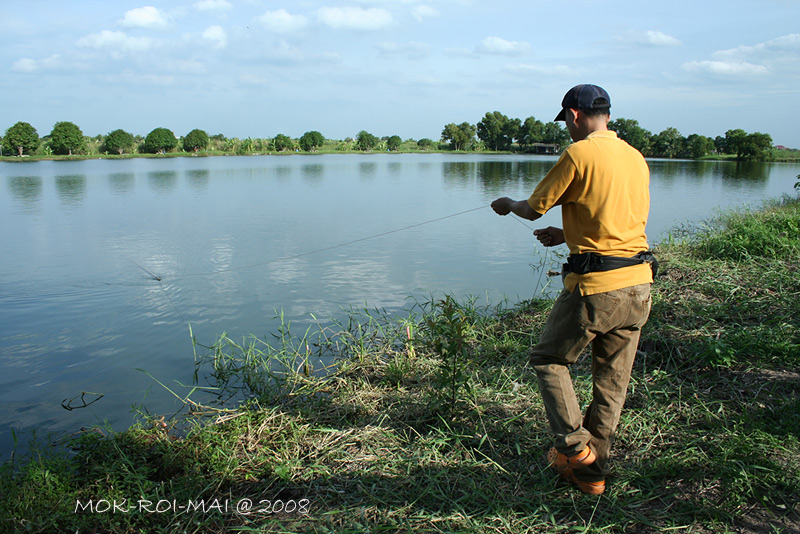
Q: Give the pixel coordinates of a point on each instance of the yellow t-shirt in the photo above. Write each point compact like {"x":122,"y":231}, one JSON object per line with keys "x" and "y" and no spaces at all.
{"x":603,"y":187}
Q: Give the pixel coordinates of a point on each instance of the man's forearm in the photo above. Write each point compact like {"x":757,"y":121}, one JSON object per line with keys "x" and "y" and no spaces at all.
{"x":521,"y":208}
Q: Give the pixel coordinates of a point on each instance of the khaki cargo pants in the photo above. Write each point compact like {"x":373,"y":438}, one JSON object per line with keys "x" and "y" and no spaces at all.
{"x":611,"y":322}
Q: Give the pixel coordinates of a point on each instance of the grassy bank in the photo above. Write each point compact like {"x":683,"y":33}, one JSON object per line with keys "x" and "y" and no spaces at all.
{"x":432,"y":422}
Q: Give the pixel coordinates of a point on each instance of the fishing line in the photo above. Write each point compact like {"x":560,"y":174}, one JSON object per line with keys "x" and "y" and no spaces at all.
{"x":332,"y":247}
{"x":544,"y":260}
{"x":156,"y":278}
{"x":287,"y":258}
{"x":161,"y":285}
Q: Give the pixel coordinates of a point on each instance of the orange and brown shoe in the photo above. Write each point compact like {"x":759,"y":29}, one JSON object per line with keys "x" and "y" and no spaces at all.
{"x":559,"y":461}
{"x":589,"y":488}
{"x":564,"y":466}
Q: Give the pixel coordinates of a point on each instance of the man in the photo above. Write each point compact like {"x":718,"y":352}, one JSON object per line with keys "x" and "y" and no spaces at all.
{"x":602,"y":186}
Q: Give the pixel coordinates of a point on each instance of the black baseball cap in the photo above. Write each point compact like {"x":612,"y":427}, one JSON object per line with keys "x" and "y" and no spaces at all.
{"x":584,"y":96}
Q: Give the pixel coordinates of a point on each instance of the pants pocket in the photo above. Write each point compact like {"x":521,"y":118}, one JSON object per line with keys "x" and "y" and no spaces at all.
{"x":596,"y":312}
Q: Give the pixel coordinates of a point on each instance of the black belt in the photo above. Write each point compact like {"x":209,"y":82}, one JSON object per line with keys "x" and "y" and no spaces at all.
{"x":590,"y":262}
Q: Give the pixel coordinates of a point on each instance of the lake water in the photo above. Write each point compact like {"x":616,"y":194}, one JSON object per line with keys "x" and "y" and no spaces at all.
{"x":236,"y":240}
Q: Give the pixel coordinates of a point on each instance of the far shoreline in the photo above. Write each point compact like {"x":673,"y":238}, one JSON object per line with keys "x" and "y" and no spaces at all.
{"x":209,"y":154}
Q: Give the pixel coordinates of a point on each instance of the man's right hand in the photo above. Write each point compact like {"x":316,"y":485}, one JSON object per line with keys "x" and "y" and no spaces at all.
{"x":502,"y":206}
{"x":550,"y":236}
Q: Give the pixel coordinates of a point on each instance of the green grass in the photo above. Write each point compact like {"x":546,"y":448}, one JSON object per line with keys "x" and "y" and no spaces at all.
{"x":432,"y":422}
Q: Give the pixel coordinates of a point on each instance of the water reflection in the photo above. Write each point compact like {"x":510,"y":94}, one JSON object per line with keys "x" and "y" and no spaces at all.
{"x":71,"y":188}
{"x":395,"y":168}
{"x":312,"y":172}
{"x":198,"y":178}
{"x":121,"y":182}
{"x":284,"y":172}
{"x":730,"y":171}
{"x":26,"y":188}
{"x":367,"y":169}
{"x":751,"y":171}
{"x":165,"y":181}
{"x":458,"y":169}
{"x":492,"y":174}
{"x":690,"y":175}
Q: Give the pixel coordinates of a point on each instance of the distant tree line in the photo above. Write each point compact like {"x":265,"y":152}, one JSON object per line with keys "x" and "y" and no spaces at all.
{"x":671,"y":144}
{"x":494,"y":132}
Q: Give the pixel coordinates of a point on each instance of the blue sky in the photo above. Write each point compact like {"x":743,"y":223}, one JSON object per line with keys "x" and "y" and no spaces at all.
{"x":253,"y":68}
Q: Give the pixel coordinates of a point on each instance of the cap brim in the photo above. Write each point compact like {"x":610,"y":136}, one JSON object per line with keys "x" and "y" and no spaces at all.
{"x":562,"y":115}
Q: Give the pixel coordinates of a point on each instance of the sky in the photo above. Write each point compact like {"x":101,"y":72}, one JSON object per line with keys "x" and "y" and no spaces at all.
{"x":258,"y":68}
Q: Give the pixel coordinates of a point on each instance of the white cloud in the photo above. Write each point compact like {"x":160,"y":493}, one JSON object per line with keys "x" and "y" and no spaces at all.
{"x":412,"y":50}
{"x":283,"y":52}
{"x":354,"y":18}
{"x":116,"y":42}
{"x":650,"y":39}
{"x":779,"y":56}
{"x":281,"y":21}
{"x":498,"y":46}
{"x":656,"y":38}
{"x":217,"y":35}
{"x":29,"y":65}
{"x":25,"y":64}
{"x":213,"y":5}
{"x":785,"y":43}
{"x":421,"y":12}
{"x":144,"y":17}
{"x":726,"y":68}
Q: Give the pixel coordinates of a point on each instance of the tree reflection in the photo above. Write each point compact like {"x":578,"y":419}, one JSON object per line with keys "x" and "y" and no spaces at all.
{"x":163,"y":180}
{"x":752,"y":171}
{"x":459,"y":169}
{"x":312,"y":172}
{"x":26,"y":188}
{"x":367,"y":170}
{"x":71,"y":188}
{"x":198,"y":178}
{"x":121,"y":182}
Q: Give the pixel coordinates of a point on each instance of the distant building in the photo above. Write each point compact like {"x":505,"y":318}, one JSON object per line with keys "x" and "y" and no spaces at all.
{"x":544,"y":148}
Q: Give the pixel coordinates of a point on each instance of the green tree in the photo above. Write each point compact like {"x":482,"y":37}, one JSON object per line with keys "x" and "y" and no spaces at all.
{"x":21,"y":138}
{"x":698,"y":146}
{"x":160,"y":140}
{"x":66,"y":138}
{"x":218,"y":141}
{"x":720,"y":144}
{"x":747,"y":146}
{"x":734,"y":139}
{"x":282,"y":142}
{"x":195,"y":141}
{"x":555,"y":134}
{"x":393,"y":143}
{"x":532,"y":131}
{"x":498,"y":131}
{"x":118,"y":141}
{"x":755,"y":146}
{"x":312,"y":140}
{"x":669,"y":143}
{"x":425,"y":144}
{"x":629,"y":131}
{"x":366,"y":141}
{"x":459,"y":136}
